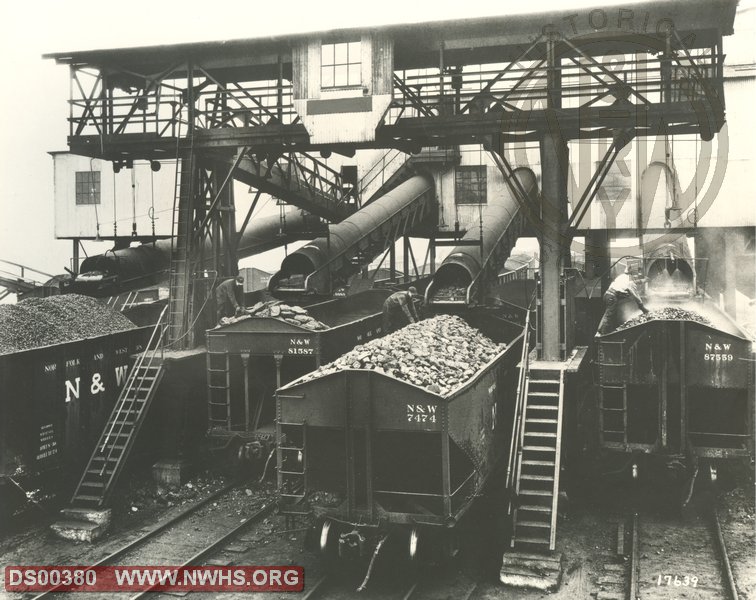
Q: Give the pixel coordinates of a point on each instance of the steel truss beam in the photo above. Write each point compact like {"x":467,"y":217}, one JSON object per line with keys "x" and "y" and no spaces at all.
{"x":127,"y":113}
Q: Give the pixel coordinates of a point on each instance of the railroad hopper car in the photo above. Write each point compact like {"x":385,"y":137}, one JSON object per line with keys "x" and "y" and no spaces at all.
{"x":54,"y":403}
{"x":249,"y":359}
{"x":375,"y":457}
{"x":677,"y":390}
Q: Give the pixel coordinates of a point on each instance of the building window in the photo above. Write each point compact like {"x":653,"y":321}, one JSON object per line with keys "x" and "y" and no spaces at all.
{"x":87,"y":187}
{"x":470,"y":185}
{"x":340,"y":65}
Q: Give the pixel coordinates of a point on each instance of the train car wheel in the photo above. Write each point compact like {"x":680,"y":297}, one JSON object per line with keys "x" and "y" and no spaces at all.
{"x":413,"y":544}
{"x":323,"y":539}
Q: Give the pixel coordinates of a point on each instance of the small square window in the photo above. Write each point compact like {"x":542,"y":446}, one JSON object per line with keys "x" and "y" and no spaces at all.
{"x":470,"y":185}
{"x":87,"y":187}
{"x":340,"y":65}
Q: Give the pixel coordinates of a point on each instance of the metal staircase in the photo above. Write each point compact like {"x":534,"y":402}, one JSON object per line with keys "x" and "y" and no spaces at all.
{"x":539,"y":444}
{"x":302,"y":181}
{"x":14,"y":278}
{"x":381,"y":173}
{"x":395,"y":166}
{"x":120,"y":432}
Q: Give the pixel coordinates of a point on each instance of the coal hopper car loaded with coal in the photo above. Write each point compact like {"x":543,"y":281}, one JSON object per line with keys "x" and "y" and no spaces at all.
{"x":271,"y":345}
{"x":675,"y":389}
{"x":389,"y":445}
{"x":63,"y":362}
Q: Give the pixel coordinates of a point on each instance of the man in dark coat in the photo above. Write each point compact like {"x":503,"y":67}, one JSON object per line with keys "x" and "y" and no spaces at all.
{"x":225,"y":297}
{"x":399,"y":310}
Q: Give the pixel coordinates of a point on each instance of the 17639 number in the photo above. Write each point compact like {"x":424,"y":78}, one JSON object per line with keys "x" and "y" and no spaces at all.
{"x":677,"y":581}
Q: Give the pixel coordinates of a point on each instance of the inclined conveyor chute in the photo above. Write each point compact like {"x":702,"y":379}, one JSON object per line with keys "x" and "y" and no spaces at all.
{"x":467,"y":272}
{"x":326,"y":262}
{"x":148,"y":263}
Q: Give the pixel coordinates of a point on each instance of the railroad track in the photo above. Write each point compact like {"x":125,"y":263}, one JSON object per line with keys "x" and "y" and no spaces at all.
{"x":183,"y":540}
{"x":669,"y":559}
{"x":329,"y":587}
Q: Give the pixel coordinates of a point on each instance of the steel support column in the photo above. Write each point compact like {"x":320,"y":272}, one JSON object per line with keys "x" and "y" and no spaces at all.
{"x":552,"y":237}
{"x":597,"y":260}
{"x":75,"y":265}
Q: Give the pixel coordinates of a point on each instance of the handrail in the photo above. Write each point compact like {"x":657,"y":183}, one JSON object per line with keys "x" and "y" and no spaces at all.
{"x":514,"y":445}
{"x":24,"y":268}
{"x":132,"y":378}
{"x":557,"y":463}
{"x":379,"y":167}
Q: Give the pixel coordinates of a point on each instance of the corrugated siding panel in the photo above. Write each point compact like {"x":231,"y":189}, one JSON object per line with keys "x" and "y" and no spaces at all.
{"x":299,"y":69}
{"x":383,"y":65}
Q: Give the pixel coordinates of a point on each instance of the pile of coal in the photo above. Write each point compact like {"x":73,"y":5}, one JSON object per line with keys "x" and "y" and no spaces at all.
{"x":450,"y":293}
{"x":439,"y":354}
{"x":296,"y":315}
{"x":38,"y":322}
{"x":667,"y":313}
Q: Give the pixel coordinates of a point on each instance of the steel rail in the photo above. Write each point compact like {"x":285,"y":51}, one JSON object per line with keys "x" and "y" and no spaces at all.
{"x":132,"y":545}
{"x":320,"y":584}
{"x":257,"y":517}
{"x":729,"y":579}
{"x":633,"y":593}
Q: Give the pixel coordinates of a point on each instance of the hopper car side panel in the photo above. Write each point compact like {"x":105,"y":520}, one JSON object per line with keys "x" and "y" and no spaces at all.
{"x":384,"y":450}
{"x":56,"y":399}
{"x":350,"y":321}
{"x":718,"y":379}
{"x":676,"y":387}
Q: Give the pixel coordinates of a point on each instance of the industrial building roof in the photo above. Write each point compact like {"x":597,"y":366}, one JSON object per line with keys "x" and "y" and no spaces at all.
{"x":706,"y":18}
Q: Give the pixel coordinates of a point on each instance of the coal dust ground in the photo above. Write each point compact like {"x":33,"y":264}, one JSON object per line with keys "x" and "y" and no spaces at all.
{"x":586,"y":536}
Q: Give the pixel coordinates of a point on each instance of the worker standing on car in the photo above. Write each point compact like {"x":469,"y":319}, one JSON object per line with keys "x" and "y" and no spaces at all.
{"x":399,"y":310}
{"x":225,"y":297}
{"x":622,"y":287}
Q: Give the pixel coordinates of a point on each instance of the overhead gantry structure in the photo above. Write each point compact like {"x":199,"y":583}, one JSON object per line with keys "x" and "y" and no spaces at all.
{"x":258,"y":110}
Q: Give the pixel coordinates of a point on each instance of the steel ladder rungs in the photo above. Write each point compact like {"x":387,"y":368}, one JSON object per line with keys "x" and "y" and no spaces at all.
{"x":535,"y":493}
{"x":534,"y":524}
{"x":531,"y":540}
{"x":536,"y":477}
{"x":534,"y":508}
{"x":87,"y":498}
